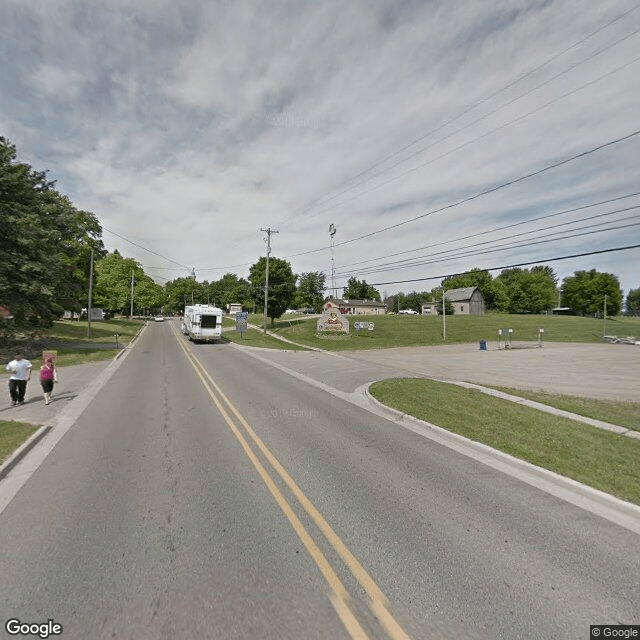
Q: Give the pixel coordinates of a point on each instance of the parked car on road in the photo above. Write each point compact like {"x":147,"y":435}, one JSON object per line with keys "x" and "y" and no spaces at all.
{"x":408,"y":312}
{"x":159,"y":318}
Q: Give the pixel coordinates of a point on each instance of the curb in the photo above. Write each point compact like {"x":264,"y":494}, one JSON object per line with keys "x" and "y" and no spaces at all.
{"x":23,"y":450}
{"x":623,"y":513}
{"x":130,"y":341}
{"x":540,"y":406}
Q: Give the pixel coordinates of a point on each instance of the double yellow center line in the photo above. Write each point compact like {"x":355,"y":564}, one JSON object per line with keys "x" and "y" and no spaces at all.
{"x":340,"y":598}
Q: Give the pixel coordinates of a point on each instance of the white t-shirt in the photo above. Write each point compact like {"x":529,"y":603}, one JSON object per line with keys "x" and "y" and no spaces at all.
{"x":19,"y":369}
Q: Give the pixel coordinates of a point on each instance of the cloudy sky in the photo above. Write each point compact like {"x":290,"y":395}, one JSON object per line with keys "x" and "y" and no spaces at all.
{"x":435,"y":135}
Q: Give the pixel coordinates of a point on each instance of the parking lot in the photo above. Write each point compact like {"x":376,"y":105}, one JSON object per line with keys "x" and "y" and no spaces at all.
{"x":605,"y":371}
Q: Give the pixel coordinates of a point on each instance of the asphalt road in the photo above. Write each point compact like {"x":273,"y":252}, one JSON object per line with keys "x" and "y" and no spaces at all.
{"x":206,"y":494}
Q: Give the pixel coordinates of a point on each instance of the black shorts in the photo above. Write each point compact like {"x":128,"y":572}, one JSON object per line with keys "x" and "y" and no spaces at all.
{"x":47,"y":385}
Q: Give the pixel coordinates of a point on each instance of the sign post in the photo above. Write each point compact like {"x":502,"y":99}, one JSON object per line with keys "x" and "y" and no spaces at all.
{"x":241,"y":322}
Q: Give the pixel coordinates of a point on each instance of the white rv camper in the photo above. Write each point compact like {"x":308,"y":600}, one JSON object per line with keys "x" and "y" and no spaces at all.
{"x":202,"y":322}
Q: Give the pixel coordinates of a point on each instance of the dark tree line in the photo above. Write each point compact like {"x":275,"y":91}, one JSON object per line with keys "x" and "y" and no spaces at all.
{"x":45,"y":246}
{"x":530,"y":291}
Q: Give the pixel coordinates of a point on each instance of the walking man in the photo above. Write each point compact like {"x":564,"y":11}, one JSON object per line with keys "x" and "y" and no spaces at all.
{"x":20,"y":370}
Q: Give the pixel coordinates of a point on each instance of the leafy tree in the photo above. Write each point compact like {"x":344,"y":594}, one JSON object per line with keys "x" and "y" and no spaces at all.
{"x":528,"y":291}
{"x":310,"y":291}
{"x":77,"y":233}
{"x":231,"y":289}
{"x":44,"y":244}
{"x":585,"y":292}
{"x":359,"y":290}
{"x":416,"y":299}
{"x":112,"y":288}
{"x":633,"y":302}
{"x":282,"y":285}
{"x":183,"y":291}
{"x":148,"y":296}
{"x":480,"y":278}
{"x":448,"y":305}
{"x":413,"y":300}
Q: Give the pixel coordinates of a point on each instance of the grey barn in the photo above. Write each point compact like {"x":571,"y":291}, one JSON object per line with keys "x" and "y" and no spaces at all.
{"x":465,"y":301}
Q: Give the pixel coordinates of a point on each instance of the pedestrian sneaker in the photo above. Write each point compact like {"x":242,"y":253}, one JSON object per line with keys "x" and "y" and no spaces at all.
{"x":14,"y":403}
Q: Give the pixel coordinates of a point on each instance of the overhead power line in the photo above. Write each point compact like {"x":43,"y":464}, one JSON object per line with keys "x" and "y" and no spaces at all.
{"x":513,"y":266}
{"x":503,"y":185}
{"x":500,"y":248}
{"x":487,"y":133}
{"x":135,"y":244}
{"x":480,"y":194}
{"x":503,"y":228}
{"x":471,"y":108}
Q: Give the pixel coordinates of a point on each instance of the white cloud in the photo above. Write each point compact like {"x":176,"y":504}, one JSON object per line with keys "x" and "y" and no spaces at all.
{"x":58,"y":83}
{"x":173,"y":121}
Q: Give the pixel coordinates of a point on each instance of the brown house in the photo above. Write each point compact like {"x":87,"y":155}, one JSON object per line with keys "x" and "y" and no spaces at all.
{"x":357,"y":307}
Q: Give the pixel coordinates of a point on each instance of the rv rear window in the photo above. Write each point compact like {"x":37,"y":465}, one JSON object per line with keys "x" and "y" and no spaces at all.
{"x":209,"y":322}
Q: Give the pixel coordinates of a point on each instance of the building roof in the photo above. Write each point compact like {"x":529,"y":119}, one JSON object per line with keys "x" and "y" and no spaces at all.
{"x":356,"y":303}
{"x":458,"y":295}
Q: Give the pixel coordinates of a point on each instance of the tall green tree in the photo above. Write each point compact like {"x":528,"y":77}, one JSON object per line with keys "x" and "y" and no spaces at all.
{"x":310,"y":291}
{"x":527,"y":291}
{"x":475,"y":277}
{"x":360,"y":290}
{"x":230,"y":289}
{"x":183,"y":291}
{"x":44,"y":244}
{"x":77,"y":233}
{"x":632,"y":304}
{"x":112,"y":288}
{"x":282,"y":285}
{"x":448,"y":305}
{"x":585,"y":292}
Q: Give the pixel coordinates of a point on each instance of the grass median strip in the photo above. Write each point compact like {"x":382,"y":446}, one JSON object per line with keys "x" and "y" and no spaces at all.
{"x":255,"y":338}
{"x":12,"y":435}
{"x":624,"y":414}
{"x":598,"y":458}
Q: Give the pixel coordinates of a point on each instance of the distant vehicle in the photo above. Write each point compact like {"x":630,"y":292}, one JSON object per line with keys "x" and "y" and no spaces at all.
{"x":291,"y":311}
{"x":202,"y":323}
{"x":408,"y":312}
{"x":159,"y":318}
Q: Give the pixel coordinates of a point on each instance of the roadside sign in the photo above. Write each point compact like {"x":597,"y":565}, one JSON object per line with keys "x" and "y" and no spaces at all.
{"x":241,"y":321}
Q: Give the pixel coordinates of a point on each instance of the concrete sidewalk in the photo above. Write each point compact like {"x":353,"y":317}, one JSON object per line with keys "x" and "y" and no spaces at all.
{"x":72,"y":381}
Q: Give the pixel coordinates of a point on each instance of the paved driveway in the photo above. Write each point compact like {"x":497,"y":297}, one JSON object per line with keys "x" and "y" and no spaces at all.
{"x":606,"y":371}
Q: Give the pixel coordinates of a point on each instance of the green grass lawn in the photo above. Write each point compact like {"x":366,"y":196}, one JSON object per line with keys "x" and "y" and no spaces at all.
{"x":257,"y":338}
{"x":405,"y":331}
{"x":12,"y":435}
{"x":73,"y":334}
{"x":624,"y":414}
{"x":598,"y":458}
{"x":101,"y":331}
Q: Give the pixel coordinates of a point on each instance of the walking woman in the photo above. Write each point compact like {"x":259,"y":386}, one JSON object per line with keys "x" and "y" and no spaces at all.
{"x":48,"y":375}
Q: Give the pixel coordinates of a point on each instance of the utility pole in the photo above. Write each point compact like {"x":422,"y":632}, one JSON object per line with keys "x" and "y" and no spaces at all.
{"x":444,"y":318}
{"x":90,"y":292}
{"x":268,"y":231}
{"x":332,"y":232}
{"x":131,"y":312}
{"x":604,"y":331}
